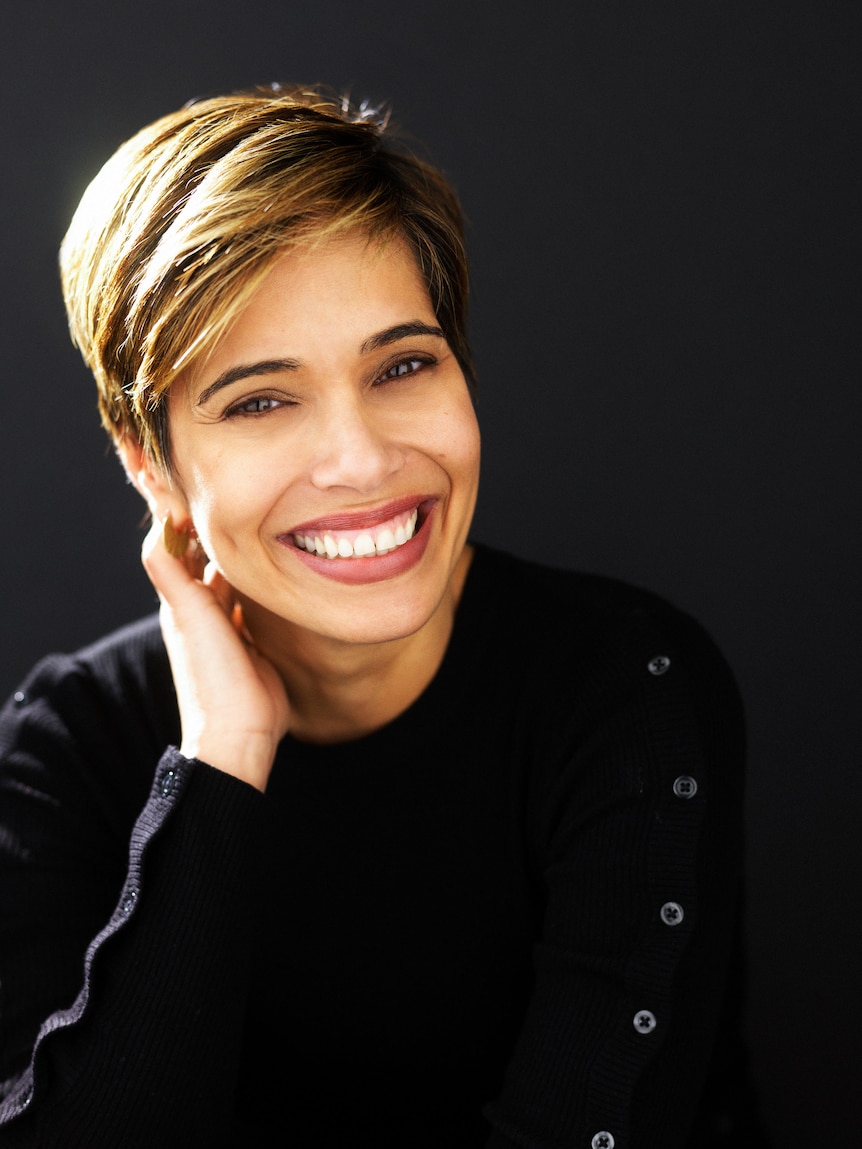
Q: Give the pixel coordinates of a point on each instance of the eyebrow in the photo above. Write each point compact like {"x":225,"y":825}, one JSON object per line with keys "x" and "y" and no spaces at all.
{"x":399,"y":331}
{"x":272,"y":366}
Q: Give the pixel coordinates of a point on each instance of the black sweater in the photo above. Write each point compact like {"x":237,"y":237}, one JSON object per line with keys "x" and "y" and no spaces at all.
{"x":505,"y":919}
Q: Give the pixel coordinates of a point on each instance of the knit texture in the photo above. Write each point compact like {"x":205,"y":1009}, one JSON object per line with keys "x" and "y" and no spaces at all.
{"x":505,"y":919}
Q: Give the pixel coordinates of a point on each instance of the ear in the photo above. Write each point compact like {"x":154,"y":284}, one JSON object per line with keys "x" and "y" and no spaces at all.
{"x":151,"y":481}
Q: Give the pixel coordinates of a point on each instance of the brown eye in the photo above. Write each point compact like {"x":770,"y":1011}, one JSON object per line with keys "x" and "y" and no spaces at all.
{"x":257,"y":405}
{"x":402,"y":368}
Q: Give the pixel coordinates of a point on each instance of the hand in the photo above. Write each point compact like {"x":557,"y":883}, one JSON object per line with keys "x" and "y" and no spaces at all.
{"x":233,"y":706}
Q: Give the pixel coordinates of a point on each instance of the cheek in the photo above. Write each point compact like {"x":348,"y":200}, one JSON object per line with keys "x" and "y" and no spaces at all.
{"x":227,"y":502}
{"x":460,"y":443}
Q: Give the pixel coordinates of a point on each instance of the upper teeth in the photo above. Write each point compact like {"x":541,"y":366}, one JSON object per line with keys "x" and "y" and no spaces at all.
{"x":360,"y":544}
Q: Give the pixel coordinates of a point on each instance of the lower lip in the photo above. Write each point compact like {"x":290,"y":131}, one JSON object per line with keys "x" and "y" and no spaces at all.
{"x":373,"y":568}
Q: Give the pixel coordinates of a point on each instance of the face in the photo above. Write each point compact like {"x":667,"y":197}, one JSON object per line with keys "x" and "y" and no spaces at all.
{"x":327,"y":451}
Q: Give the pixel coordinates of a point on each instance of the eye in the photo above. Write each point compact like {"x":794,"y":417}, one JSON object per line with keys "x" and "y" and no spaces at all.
{"x":256,"y":405}
{"x":404,"y":367}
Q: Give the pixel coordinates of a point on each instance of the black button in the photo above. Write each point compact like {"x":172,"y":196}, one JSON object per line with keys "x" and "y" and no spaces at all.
{"x":128,"y":902}
{"x":603,"y":1140}
{"x":644,"y":1021}
{"x":658,"y":665}
{"x":685,"y":786}
{"x":168,"y":779}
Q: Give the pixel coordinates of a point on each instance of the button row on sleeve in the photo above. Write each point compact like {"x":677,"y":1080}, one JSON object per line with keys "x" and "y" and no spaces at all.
{"x":671,"y":913}
{"x":685,"y":786}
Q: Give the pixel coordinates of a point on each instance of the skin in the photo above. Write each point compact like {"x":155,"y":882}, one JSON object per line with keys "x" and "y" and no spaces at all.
{"x":332,"y":400}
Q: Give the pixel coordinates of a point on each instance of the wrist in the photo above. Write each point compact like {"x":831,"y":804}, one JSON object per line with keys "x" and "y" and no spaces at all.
{"x":248,"y":758}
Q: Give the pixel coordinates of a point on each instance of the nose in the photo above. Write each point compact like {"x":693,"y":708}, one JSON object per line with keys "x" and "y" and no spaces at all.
{"x":354,"y":451}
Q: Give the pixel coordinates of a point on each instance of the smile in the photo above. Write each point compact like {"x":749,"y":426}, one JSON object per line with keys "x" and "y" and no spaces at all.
{"x":366,"y":542}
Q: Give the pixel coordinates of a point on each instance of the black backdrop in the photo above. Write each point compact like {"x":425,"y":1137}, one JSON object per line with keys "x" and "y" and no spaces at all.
{"x":665,"y":238}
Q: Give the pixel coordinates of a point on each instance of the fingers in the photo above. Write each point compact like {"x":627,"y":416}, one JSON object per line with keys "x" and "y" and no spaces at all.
{"x":220,"y":587}
{"x":197,"y":602}
{"x":226,"y":598}
{"x":171,"y":574}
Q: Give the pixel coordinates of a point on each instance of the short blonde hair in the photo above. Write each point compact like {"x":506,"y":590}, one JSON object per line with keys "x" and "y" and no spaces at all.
{"x":180,"y":226}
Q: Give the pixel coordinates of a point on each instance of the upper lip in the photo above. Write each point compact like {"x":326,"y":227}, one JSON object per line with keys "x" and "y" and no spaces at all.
{"x":356,"y":520}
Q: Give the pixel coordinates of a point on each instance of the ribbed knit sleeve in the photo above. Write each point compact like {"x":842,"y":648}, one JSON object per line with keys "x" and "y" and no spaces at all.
{"x":636,"y":829}
{"x":144,"y":1049}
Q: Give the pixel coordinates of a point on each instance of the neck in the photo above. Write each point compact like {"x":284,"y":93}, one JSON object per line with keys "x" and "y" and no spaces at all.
{"x":339,"y":691}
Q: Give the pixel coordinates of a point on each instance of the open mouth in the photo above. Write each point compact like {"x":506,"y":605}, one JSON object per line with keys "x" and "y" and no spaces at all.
{"x":365,"y":542}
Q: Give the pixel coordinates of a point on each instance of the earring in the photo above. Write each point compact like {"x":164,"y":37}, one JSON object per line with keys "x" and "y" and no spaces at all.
{"x":176,"y":541}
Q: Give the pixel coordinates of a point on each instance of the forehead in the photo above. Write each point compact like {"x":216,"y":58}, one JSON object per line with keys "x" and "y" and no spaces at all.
{"x":341,"y":291}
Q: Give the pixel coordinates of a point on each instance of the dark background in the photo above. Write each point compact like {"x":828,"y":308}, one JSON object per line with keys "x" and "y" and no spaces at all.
{"x":664,"y":228}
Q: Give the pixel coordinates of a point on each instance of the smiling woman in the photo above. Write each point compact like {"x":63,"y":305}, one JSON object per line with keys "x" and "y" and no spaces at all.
{"x":374,"y":836}
{"x":332,"y":410}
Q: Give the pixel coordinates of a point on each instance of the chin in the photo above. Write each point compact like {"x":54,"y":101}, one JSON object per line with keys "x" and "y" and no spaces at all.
{"x":350,"y":611}
{"x":385,"y":616}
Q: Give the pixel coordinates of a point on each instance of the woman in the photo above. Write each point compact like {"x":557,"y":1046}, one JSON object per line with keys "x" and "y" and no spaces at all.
{"x":376,"y":836}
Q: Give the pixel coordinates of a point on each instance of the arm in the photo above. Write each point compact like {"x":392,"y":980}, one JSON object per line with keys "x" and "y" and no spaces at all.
{"x":143,"y":1032}
{"x":640,"y":873}
{"x":139,"y":1039}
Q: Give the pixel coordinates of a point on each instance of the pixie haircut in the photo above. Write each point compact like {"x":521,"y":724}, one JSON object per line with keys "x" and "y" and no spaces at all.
{"x":181,"y":225}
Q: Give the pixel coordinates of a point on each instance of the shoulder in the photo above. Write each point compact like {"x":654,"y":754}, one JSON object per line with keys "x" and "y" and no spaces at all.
{"x":116,"y":691}
{"x":577,"y":624}
{"x":541,"y":587}
{"x":622,"y":701}
{"x":132,"y":654}
{"x":595,"y":670}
